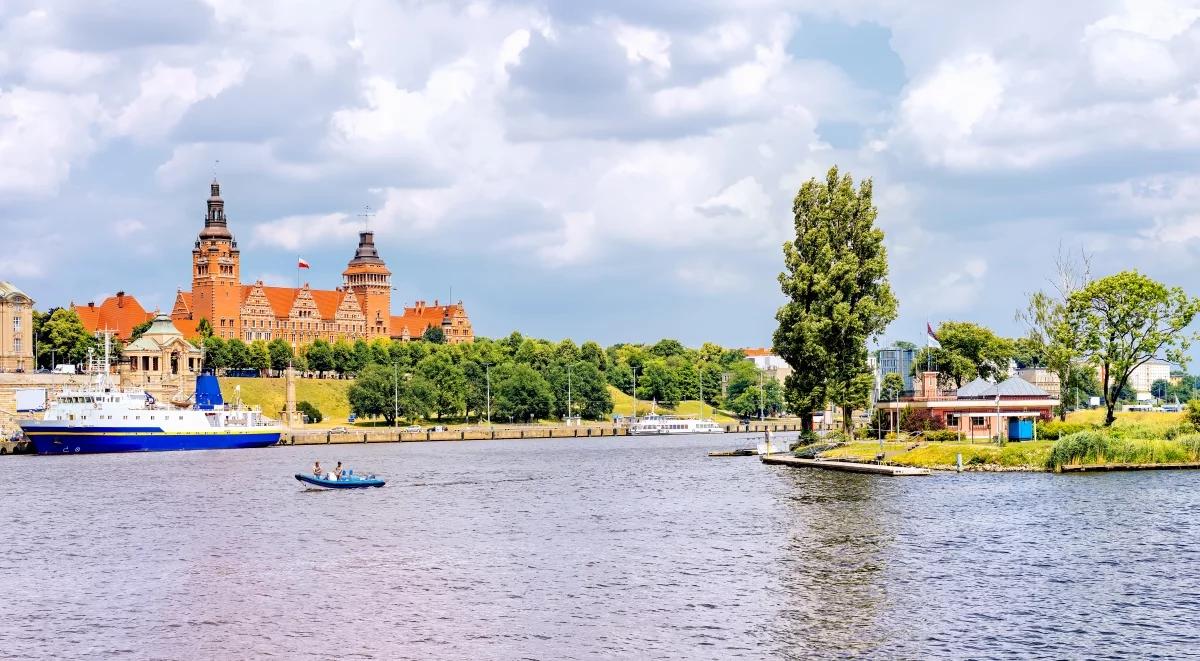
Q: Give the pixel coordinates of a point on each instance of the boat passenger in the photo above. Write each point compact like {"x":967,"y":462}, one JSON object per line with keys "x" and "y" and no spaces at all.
{"x":337,"y":471}
{"x":317,"y":472}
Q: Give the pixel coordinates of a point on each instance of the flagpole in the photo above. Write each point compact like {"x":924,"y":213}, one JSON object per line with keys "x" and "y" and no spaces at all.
{"x":297,"y":271}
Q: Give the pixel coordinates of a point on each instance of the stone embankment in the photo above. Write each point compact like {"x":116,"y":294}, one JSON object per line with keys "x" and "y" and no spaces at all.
{"x":391,"y":435}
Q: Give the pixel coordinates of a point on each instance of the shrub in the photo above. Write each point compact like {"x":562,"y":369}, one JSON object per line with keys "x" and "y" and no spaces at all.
{"x":1084,"y":447}
{"x":1052,"y":430}
{"x":914,"y":420}
{"x":1193,"y":412}
{"x":941,"y":435}
{"x":311,"y":412}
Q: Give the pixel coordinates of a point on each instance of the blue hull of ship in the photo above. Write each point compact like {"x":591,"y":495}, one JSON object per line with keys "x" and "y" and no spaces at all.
{"x":50,"y":441}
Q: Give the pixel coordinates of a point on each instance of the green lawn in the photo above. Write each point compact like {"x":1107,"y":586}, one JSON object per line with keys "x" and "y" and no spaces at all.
{"x":1031,"y":455}
{"x":328,"y":395}
{"x":623,"y":405}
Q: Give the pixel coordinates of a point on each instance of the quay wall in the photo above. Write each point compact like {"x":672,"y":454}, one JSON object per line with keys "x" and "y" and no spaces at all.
{"x":320,"y":437}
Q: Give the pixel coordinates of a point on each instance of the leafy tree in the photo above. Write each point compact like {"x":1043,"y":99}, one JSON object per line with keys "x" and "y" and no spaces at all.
{"x":310,"y":411}
{"x":620,"y":376}
{"x":1053,"y":340}
{"x":710,"y":377}
{"x":239,"y":354}
{"x":592,"y":353}
{"x":835,"y":280}
{"x":1027,"y":352}
{"x":280,"y":353}
{"x":666,"y":348}
{"x":566,"y":352}
{"x":1127,"y":319}
{"x":216,"y":353}
{"x":537,"y":354}
{"x":260,"y":355}
{"x":584,"y":386}
{"x":204,"y":328}
{"x":904,"y":344}
{"x":1159,"y":388}
{"x":659,"y":383}
{"x":140,"y":329}
{"x":968,"y":351}
{"x":362,"y":355}
{"x":382,"y":391}
{"x":343,"y":357}
{"x":891,"y":387}
{"x":320,"y":357}
{"x":521,"y":393}
{"x":434,"y":334}
{"x":380,"y":351}
{"x":65,"y":338}
{"x":448,"y":383}
{"x":918,"y":419}
{"x":476,"y":376}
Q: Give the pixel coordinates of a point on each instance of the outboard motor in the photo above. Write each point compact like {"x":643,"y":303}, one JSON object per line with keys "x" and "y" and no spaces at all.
{"x":208,"y":392}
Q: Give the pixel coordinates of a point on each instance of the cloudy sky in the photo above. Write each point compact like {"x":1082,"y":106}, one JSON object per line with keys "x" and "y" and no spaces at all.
{"x":613,"y":170}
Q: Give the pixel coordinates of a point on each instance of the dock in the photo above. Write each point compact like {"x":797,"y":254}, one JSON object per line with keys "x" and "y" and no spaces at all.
{"x":741,"y":452}
{"x":844,"y":466}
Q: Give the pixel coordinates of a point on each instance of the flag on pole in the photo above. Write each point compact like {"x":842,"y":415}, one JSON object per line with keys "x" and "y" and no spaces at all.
{"x":302,"y":264}
{"x":931,"y":338}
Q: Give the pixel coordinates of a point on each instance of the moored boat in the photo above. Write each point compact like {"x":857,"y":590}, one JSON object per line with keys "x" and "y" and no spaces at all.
{"x":104,"y":418}
{"x":670,"y":424}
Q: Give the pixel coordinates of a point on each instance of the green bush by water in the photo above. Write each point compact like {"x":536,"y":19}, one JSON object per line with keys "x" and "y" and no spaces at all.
{"x":1052,"y":430}
{"x":1120,"y":447}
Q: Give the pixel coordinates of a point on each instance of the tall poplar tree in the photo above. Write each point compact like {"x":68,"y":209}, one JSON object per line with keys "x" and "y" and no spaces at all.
{"x":835,"y":279}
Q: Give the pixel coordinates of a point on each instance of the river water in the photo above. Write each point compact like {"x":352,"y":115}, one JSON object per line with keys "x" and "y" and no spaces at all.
{"x":585,"y":549}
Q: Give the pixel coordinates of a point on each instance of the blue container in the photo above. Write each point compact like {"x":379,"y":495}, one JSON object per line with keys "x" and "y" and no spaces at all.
{"x":1020,"y":429}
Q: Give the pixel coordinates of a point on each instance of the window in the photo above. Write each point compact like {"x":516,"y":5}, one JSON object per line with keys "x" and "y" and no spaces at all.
{"x":17,"y":320}
{"x":977,"y":421}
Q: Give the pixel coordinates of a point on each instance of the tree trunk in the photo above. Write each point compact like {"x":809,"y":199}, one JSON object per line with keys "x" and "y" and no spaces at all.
{"x":806,"y":425}
{"x":848,"y":420}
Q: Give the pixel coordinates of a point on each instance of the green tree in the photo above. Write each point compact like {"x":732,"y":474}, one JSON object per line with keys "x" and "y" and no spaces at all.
{"x":280,"y":353}
{"x":239,"y":354}
{"x":891,"y":387}
{"x":260,"y":355}
{"x":521,"y":393}
{"x":216,"y":353}
{"x":320,"y":357}
{"x":343,"y":357}
{"x":620,"y":376}
{"x":594,"y":354}
{"x":904,"y":344}
{"x":665,"y":348}
{"x":1127,"y":319}
{"x":968,"y":351}
{"x":383,"y":391}
{"x":566,"y":352}
{"x":204,"y":328}
{"x":1159,"y":388}
{"x":583,"y":386}
{"x":362,"y":355}
{"x":66,"y":339}
{"x":380,"y":351}
{"x":434,"y":335}
{"x":835,"y":280}
{"x":659,"y":383}
{"x":310,"y":411}
{"x":1054,"y":341}
{"x":140,"y":329}
{"x":448,"y":383}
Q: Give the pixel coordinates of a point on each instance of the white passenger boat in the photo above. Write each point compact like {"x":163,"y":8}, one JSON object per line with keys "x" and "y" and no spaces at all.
{"x":670,"y":424}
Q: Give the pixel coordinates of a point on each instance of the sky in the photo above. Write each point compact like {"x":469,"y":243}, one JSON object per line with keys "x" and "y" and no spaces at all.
{"x":620,"y":171}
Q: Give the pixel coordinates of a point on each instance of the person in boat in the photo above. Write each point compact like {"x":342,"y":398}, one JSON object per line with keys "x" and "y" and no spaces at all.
{"x":337,"y":471}
{"x":317,"y":472}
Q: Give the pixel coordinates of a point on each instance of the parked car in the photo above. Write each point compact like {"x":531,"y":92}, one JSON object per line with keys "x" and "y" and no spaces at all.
{"x":412,"y":429}
{"x":437,"y":428}
{"x":338,"y":430}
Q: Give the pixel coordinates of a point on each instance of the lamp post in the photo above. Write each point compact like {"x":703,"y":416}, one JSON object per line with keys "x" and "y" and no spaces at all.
{"x":569,"y":416}
{"x":487,"y":371}
{"x":395,"y":395}
{"x":635,"y":371}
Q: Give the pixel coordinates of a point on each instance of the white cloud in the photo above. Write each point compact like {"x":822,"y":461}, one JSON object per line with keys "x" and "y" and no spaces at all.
{"x":42,"y":136}
{"x":306,"y":231}
{"x":166,"y":92}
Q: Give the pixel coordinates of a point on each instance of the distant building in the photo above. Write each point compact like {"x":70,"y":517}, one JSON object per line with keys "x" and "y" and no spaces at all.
{"x":1142,"y":378}
{"x":896,"y":361}
{"x":16,"y":329}
{"x":160,"y":355}
{"x":766,"y":360}
{"x":119,"y":314}
{"x":1043,"y":378}
{"x":359,"y":309}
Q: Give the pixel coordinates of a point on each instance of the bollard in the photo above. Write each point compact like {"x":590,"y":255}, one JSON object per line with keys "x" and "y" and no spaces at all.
{"x":958,"y":462}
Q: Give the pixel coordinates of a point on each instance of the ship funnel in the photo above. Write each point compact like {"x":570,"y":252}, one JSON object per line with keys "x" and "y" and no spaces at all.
{"x":208,"y":392}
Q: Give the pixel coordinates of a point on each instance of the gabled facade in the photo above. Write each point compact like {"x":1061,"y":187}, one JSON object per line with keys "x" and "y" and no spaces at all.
{"x":120,"y":314}
{"x":359,"y":309}
{"x":16,"y":329}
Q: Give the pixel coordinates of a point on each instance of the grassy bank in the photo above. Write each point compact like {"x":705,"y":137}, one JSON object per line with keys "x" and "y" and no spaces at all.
{"x":623,"y":405}
{"x":1100,"y":447}
{"x":1027,"y":455}
{"x":328,"y":395}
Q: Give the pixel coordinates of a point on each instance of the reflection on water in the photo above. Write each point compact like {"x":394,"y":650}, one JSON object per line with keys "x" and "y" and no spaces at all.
{"x":587,"y":548}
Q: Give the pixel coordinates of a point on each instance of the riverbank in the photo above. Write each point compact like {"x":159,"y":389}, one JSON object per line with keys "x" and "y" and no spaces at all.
{"x":1023,"y":456}
{"x":498,"y":432}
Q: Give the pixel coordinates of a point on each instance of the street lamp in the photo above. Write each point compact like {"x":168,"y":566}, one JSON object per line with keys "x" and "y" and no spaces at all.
{"x":487,"y":370}
{"x":569,"y":416}
{"x":635,"y":371}
{"x":396,"y":395}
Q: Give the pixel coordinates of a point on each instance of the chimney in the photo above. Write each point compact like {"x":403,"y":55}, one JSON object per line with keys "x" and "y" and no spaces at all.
{"x":91,"y":304}
{"x":120,"y":299}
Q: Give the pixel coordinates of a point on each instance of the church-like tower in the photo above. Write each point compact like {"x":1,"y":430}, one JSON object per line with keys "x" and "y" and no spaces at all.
{"x":216,"y":271}
{"x":371,"y":282}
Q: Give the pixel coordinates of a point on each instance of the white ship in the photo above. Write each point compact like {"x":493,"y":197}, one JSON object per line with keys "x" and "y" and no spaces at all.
{"x":670,"y":424}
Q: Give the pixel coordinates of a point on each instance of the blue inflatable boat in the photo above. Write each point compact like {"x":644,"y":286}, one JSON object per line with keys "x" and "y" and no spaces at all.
{"x":348,"y":481}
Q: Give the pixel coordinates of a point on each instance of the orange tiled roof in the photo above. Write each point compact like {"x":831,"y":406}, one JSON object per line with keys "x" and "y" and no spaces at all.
{"x":758,"y":351}
{"x":118,"y":313}
{"x":187,"y":327}
{"x":419,"y":317}
{"x":281,"y":299}
{"x":327,"y":301}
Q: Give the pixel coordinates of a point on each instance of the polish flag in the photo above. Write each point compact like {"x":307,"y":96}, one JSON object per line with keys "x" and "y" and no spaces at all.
{"x":302,"y":265}
{"x":931,"y":338}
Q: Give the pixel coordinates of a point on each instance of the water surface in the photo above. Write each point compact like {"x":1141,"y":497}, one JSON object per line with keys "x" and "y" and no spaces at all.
{"x":583,"y":549}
